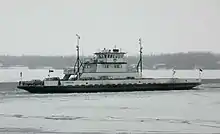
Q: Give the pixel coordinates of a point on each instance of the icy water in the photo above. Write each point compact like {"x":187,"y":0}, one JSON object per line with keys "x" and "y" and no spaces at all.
{"x":193,"y":111}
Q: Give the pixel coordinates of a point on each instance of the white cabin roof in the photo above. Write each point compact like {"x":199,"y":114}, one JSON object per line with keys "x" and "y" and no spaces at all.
{"x":110,"y":51}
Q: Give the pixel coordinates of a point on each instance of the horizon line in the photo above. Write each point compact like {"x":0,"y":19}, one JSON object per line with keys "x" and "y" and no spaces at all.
{"x":151,"y":54}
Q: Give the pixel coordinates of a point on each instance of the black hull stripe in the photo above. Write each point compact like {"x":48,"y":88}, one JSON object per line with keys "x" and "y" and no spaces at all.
{"x":108,"y":88}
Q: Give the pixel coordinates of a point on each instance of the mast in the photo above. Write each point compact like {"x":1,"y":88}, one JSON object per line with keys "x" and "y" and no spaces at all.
{"x":140,"y":61}
{"x":77,"y":57}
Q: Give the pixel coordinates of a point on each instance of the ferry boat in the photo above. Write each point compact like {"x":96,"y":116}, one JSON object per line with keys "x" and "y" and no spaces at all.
{"x":107,"y":71}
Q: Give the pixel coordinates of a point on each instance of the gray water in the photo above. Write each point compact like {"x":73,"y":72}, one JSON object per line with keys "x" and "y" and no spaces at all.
{"x":129,"y":112}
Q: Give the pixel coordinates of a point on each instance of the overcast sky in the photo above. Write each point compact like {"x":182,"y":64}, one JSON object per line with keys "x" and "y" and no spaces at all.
{"x":48,"y":27}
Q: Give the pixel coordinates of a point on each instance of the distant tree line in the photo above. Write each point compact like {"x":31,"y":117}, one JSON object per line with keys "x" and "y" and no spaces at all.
{"x":178,"y":60}
{"x":189,"y":60}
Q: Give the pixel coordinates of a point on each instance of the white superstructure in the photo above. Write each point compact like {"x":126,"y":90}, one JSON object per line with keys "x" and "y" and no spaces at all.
{"x":106,"y":64}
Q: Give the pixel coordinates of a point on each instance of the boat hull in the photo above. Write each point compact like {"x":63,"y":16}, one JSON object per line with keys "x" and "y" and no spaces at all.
{"x":109,"y":88}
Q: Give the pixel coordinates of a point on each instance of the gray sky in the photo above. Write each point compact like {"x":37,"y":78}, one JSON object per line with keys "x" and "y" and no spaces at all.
{"x":48,"y":27}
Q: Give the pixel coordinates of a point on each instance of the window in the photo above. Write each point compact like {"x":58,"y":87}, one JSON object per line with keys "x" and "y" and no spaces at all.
{"x":117,"y":66}
{"x":106,"y":66}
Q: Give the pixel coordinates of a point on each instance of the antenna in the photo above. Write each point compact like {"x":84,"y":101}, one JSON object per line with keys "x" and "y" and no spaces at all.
{"x":141,"y":62}
{"x":77,"y":60}
{"x":82,"y":53}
